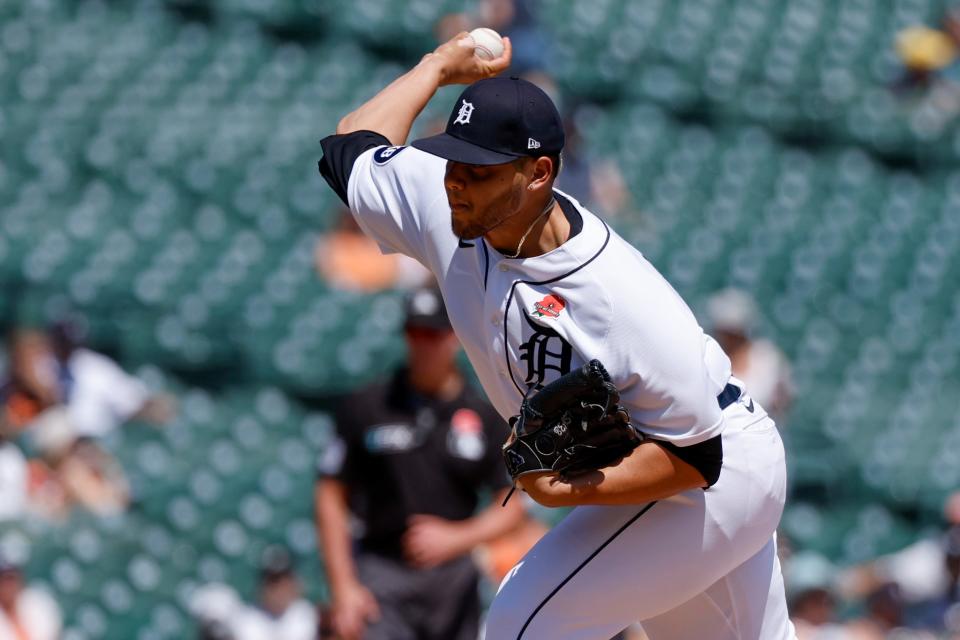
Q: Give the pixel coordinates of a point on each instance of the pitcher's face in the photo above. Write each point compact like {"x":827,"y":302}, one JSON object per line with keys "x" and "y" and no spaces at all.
{"x":482,"y":197}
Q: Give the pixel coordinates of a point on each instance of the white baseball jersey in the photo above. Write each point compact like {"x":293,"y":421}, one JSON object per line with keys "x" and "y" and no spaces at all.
{"x":523,"y":322}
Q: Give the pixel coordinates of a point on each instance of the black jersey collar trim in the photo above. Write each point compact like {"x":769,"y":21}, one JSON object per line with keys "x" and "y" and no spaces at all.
{"x":570,"y":213}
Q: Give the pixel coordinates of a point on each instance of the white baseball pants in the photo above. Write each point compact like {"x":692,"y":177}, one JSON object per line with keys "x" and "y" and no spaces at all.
{"x":701,"y":565}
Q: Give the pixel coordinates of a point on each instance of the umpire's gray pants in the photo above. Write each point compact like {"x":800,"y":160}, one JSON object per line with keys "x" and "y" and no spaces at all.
{"x":442,"y":603}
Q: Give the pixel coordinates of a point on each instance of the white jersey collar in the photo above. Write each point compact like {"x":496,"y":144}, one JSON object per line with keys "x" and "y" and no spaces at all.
{"x":574,"y":252}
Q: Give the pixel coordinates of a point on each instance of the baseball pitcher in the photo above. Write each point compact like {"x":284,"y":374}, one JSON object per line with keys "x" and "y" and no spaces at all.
{"x":621,"y":405}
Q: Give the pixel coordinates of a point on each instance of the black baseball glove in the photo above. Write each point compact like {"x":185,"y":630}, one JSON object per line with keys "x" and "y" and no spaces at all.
{"x":574,"y":424}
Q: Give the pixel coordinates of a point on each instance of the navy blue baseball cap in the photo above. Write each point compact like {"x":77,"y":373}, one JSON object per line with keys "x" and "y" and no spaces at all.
{"x":496,"y":121}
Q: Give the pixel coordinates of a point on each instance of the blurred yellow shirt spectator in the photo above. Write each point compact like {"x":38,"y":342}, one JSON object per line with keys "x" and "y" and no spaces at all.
{"x":925,"y":49}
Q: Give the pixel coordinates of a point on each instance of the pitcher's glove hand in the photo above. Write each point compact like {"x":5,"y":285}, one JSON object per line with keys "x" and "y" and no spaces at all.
{"x":574,"y":424}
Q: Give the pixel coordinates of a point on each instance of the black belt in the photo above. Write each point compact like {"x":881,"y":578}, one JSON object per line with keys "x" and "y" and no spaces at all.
{"x":730,"y":394}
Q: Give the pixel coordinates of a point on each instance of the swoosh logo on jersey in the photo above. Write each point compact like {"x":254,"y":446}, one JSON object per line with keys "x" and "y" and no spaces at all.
{"x":750,"y":406}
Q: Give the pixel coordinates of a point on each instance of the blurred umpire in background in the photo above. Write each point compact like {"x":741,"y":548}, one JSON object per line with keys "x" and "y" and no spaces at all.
{"x":413,"y":455}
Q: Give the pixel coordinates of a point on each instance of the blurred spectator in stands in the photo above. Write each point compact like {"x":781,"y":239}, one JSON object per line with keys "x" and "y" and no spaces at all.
{"x":924,"y":53}
{"x":48,"y":498}
{"x":814,"y":615}
{"x":26,"y":613}
{"x":14,"y":478}
{"x":214,"y":606}
{"x":757,"y":362}
{"x":516,"y":19}
{"x":281,"y":613}
{"x":90,"y":476}
{"x":53,"y":370}
{"x":61,"y":396}
{"x":29,"y":487}
{"x":98,"y":396}
{"x":72,"y":470}
{"x":98,"y":393}
{"x":927,"y":574}
{"x":929,"y":81}
{"x":30,"y":386}
{"x":941,"y":611}
{"x":414,"y":453}
{"x":809,"y":580}
{"x":884,"y":617}
{"x":350,"y":260}
{"x":929,"y":54}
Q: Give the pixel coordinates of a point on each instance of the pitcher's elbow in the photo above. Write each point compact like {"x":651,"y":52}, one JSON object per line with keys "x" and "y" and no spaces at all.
{"x":345,"y":125}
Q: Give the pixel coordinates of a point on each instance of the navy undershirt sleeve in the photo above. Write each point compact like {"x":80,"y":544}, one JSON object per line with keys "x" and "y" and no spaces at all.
{"x":340,"y":152}
{"x":706,"y":457}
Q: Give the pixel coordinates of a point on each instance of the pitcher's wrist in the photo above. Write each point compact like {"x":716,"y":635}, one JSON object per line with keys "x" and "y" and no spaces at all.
{"x":433,"y":65}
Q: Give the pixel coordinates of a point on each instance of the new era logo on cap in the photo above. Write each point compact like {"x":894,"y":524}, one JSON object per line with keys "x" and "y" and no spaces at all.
{"x":518,"y":119}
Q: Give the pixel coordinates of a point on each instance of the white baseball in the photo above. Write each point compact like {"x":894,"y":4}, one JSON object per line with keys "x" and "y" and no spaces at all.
{"x":487,"y":43}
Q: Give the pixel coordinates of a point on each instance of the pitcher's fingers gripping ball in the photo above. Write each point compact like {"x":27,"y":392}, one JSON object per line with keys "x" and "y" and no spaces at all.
{"x":466,"y":57}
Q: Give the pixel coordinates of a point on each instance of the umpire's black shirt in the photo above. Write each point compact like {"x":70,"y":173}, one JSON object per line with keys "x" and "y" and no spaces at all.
{"x":402,"y":453}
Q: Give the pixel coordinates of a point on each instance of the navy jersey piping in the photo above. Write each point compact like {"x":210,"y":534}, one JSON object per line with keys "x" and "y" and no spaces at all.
{"x":581,"y":566}
{"x":486,"y":264}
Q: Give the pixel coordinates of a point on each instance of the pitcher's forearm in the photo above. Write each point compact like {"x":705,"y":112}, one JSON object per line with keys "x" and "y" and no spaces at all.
{"x":392,"y":111}
{"x":649,"y":473}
